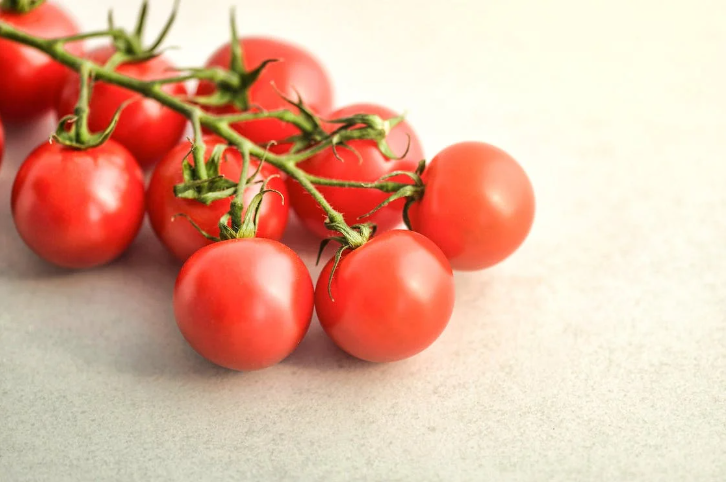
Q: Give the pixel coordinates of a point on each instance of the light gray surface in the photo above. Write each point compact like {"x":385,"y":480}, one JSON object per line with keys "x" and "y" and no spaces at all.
{"x":597,"y":353}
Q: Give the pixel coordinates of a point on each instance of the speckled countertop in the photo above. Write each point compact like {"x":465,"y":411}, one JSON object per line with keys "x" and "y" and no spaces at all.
{"x":597,"y":353}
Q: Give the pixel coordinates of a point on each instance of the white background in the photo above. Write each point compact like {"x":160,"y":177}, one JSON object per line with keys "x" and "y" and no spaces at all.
{"x":597,"y":352}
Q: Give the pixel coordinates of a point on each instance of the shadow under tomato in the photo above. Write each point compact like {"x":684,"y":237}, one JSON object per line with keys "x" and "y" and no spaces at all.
{"x":302,"y":241}
{"x":318,"y":352}
{"x":151,"y":344}
{"x":117,"y":318}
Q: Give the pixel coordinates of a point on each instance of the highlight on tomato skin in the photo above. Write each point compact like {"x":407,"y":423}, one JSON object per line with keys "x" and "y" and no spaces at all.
{"x":146,"y":128}
{"x":78,"y":208}
{"x":296,"y":72}
{"x":389,"y":299}
{"x":478,"y":205}
{"x":176,"y":233}
{"x":368,"y":165}
{"x":244,"y":304}
{"x":30,"y":81}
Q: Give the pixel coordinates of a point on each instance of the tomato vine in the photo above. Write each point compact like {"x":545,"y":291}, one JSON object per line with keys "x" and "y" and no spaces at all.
{"x":232,"y":85}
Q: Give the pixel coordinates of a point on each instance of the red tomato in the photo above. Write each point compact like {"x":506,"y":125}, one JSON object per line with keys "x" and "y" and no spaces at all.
{"x":392,"y":297}
{"x":297,"y":70}
{"x":145,"y":128}
{"x":478,"y":205}
{"x":244,"y":304}
{"x":30,"y":81}
{"x":78,"y":209}
{"x":354,"y":202}
{"x":177,"y":234}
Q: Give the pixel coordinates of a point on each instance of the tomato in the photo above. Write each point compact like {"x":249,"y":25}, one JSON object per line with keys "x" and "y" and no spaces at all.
{"x":178,"y":234}
{"x":297,"y":70}
{"x":478,"y":205}
{"x":244,"y":304}
{"x":391,"y":298}
{"x":78,"y":209}
{"x":30,"y":81}
{"x":355,"y":202}
{"x":145,"y":128}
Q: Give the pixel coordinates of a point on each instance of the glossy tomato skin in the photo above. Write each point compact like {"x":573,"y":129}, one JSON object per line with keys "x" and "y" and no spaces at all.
{"x":30,"y":81}
{"x":177,"y":234}
{"x":244,"y":304}
{"x":145,"y":128}
{"x":478,"y":206}
{"x":353,"y":203}
{"x":297,"y":69}
{"x":78,"y":209}
{"x":392,"y":297}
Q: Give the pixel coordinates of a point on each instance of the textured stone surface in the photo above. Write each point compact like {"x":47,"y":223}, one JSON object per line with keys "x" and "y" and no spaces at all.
{"x":598,"y":352}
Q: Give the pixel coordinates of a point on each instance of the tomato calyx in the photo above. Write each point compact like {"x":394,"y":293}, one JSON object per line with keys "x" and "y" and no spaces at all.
{"x":370,"y":126}
{"x":357,"y":127}
{"x":73,"y":130}
{"x":247,"y":228}
{"x":311,"y":126}
{"x":357,"y":235}
{"x":238,"y":222}
{"x":410,"y":192}
{"x":204,"y":184}
{"x":20,"y":6}
{"x":232,"y":84}
{"x":129,"y":45}
{"x":352,"y":237}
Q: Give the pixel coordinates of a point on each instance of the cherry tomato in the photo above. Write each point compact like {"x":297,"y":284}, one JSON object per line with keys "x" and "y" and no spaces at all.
{"x":391,"y":298}
{"x":244,"y":304}
{"x":145,"y":128}
{"x":353,"y":203}
{"x":78,"y":209}
{"x":178,"y":234}
{"x":30,"y":81}
{"x":478,"y":205}
{"x":2,"y":141}
{"x":297,"y":69}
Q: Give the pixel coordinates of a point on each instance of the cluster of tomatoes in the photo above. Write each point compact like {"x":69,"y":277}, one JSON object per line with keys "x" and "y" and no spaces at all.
{"x":247,"y":303}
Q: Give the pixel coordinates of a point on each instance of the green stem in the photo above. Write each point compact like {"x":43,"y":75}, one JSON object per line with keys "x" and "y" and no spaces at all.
{"x":84,"y":36}
{"x":337,"y":139}
{"x":238,"y":203}
{"x":174,"y":80}
{"x":218,"y":124}
{"x":81,"y":110}
{"x":385,"y":186}
{"x":56,"y":50}
{"x":200,"y":167}
{"x":224,"y":130}
{"x":283,"y":115}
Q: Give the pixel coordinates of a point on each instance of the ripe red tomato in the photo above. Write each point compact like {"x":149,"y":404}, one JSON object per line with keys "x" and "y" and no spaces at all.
{"x":78,"y":209}
{"x":353,"y":203}
{"x":244,"y":304}
{"x":30,"y":81}
{"x":392,"y":297}
{"x":177,"y":234}
{"x":478,"y":205}
{"x":297,"y":69}
{"x":145,"y":128}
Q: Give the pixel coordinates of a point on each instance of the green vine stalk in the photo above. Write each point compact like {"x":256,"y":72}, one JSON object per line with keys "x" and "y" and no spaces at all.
{"x":357,"y":127}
